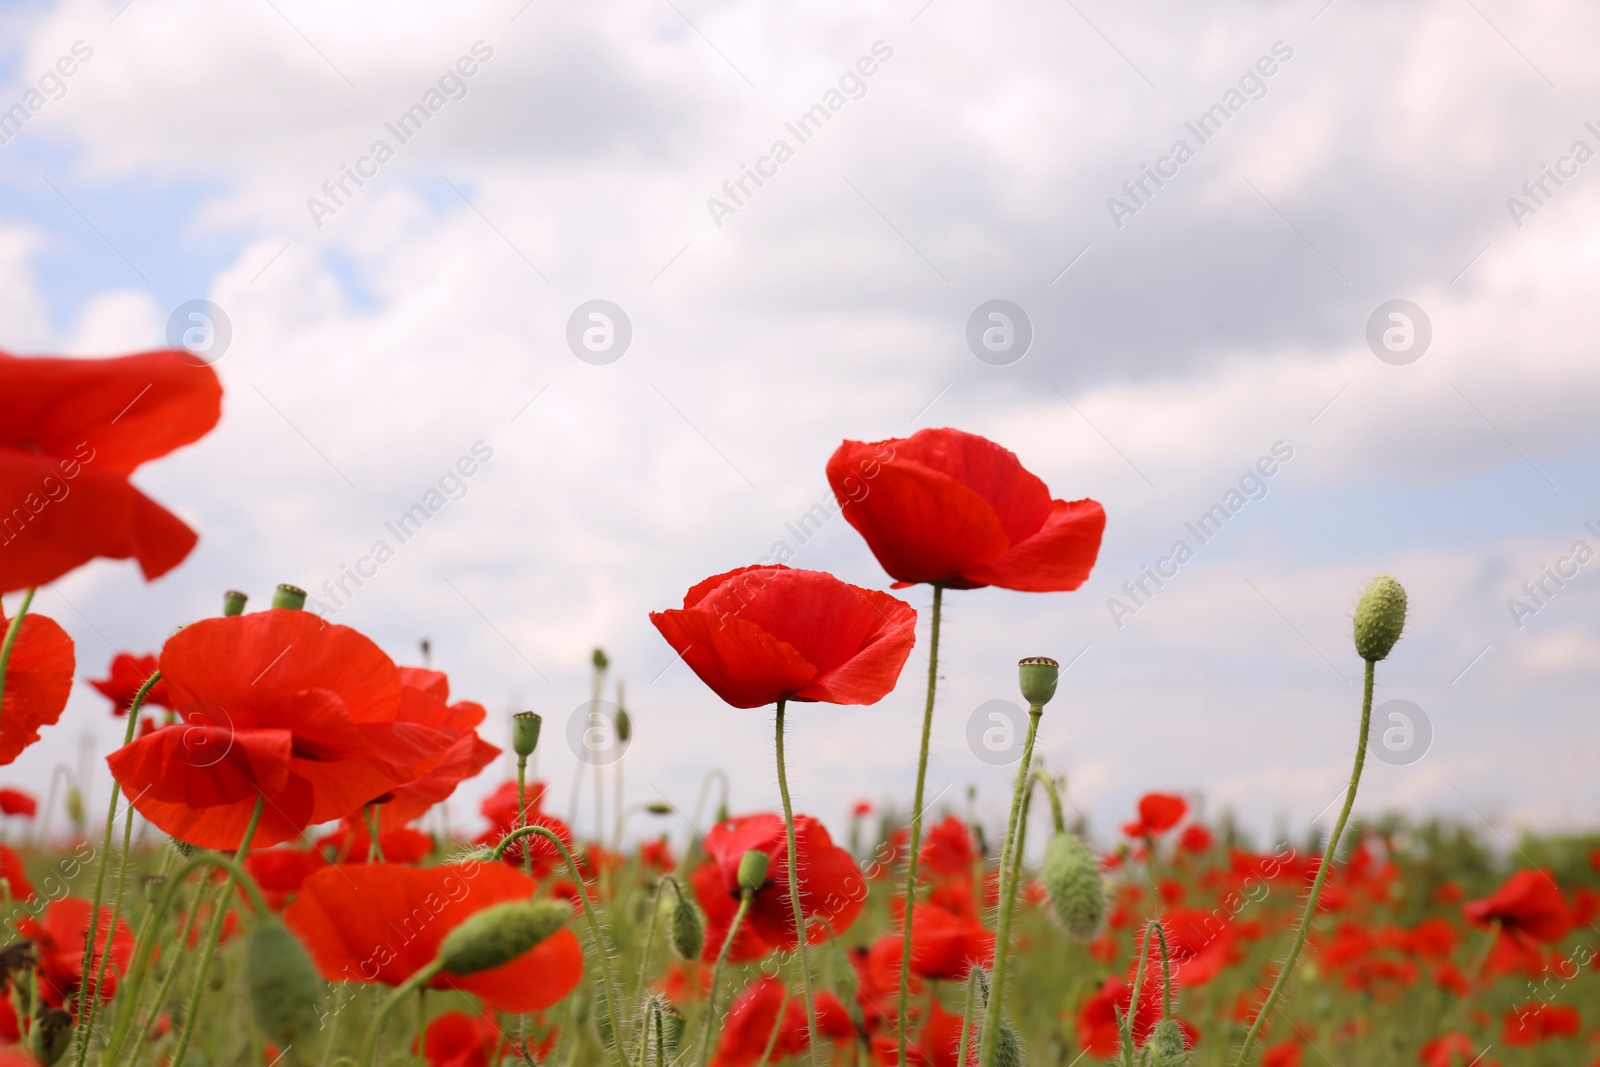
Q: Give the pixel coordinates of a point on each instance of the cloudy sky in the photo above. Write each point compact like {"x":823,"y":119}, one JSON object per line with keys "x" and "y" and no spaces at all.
{"x":1336,"y":156}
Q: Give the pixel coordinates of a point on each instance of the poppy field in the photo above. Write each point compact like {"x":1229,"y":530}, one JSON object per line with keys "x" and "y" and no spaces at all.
{"x":266,"y":884}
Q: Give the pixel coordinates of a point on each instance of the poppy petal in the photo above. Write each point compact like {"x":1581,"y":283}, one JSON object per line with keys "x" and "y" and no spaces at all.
{"x":38,"y":682}
{"x":741,"y":662}
{"x":1058,"y":557}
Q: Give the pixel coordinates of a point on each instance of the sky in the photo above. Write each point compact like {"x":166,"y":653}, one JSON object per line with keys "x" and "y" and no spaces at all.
{"x":1201,"y":216}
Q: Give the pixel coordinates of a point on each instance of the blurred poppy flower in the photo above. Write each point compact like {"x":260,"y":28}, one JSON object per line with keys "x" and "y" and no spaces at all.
{"x":1158,"y":813}
{"x":123,"y":679}
{"x":12,"y":870}
{"x":280,"y":872}
{"x":937,"y":1045}
{"x":1196,"y":838}
{"x":71,"y":433}
{"x":685,"y":982}
{"x":947,"y":851}
{"x":943,"y":945}
{"x":1284,"y":1054}
{"x":831,"y":887}
{"x":351,"y":842}
{"x":1451,"y":1050}
{"x":1529,"y":1024}
{"x":38,"y":680}
{"x":1528,"y":904}
{"x":500,"y":808}
{"x":16,"y":802}
{"x":657,"y":855}
{"x":1097,"y":1027}
{"x":758,"y":635}
{"x":279,"y":705}
{"x":456,"y":1039}
{"x":765,"y":1012}
{"x":382,"y":922}
{"x":955,"y":508}
{"x":424,"y":700}
{"x":1198,"y":945}
{"x":58,"y":936}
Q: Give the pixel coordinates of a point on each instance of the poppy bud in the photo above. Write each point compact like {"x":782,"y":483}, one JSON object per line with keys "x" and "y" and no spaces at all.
{"x":525,"y":733}
{"x":672,"y":1027}
{"x":233,"y":602}
{"x":624,"y":726}
{"x":1168,"y":1045}
{"x":51,"y":1036}
{"x":500,"y":933}
{"x":75,"y":806}
{"x":688,"y":928}
{"x":285,"y":989}
{"x":1007,"y":1046}
{"x":1380,"y":616}
{"x":154,"y":886}
{"x":753,"y":870}
{"x":289,"y":596}
{"x":1038,"y":675}
{"x":1071,"y":877}
{"x":600,"y":661}
{"x":658,"y":807}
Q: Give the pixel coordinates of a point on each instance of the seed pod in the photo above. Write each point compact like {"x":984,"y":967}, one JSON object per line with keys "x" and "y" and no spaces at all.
{"x":753,"y":870}
{"x":233,"y":602}
{"x":1380,"y":616}
{"x":688,"y":929}
{"x":1071,"y":877}
{"x":1168,"y":1046}
{"x":285,"y":989}
{"x":525,"y":733}
{"x":1037,"y":676}
{"x":289,"y":596}
{"x":500,"y":933}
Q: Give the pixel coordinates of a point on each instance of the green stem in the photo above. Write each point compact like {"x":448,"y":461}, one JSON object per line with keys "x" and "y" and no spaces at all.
{"x":777,"y":1028}
{"x":1322,"y":872}
{"x":86,"y":1009}
{"x":369,"y":1046}
{"x":12,"y":631}
{"x":588,"y":911}
{"x":649,"y":945}
{"x":422,"y":1023}
{"x":966,"y":1018}
{"x":1128,"y":1020}
{"x":522,"y":812}
{"x":1055,"y":799}
{"x":988,"y":1038}
{"x":916,"y":821}
{"x":224,"y":903}
{"x":716,"y":976}
{"x":794,"y":893}
{"x":374,"y":847}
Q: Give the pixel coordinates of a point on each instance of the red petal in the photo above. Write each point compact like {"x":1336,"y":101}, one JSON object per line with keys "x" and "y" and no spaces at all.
{"x":38,"y":681}
{"x":1057,"y":558}
{"x":742,"y":663}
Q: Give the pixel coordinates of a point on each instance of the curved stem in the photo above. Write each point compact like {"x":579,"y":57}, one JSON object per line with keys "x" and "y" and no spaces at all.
{"x":12,"y":631}
{"x":1166,"y":973}
{"x":588,"y":911}
{"x":988,"y":1039}
{"x":369,"y":1045}
{"x":1054,"y":794}
{"x":215,"y":933}
{"x":800,"y":930}
{"x":1322,"y":873}
{"x":916,"y":821}
{"x":716,"y":976}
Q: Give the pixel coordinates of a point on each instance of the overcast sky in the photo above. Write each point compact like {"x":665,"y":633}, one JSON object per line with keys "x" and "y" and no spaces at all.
{"x":1336,"y":156}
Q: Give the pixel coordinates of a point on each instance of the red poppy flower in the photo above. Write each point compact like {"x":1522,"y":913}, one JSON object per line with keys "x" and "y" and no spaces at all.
{"x":758,"y":635}
{"x":1450,"y":1050}
{"x":1284,"y":1054}
{"x":1097,"y":1026}
{"x":276,"y":704}
{"x":500,"y":808}
{"x":71,"y":433}
{"x":16,"y":802}
{"x":831,"y":887}
{"x":38,"y":679}
{"x":1529,"y":903}
{"x":425,"y":701}
{"x":947,"y":850}
{"x":58,"y":938}
{"x":351,"y":842}
{"x":1196,"y":838}
{"x":943,"y":945}
{"x":766,"y":1013}
{"x":123,"y":679}
{"x":1198,"y":945}
{"x":15,"y":1057}
{"x":280,"y":872}
{"x":938,"y":1044}
{"x":12,"y":870}
{"x":685,"y":982}
{"x":456,"y":1039}
{"x":1158,"y":813}
{"x":380,"y":922}
{"x":657,"y":855}
{"x":1529,"y":1024}
{"x":955,"y":508}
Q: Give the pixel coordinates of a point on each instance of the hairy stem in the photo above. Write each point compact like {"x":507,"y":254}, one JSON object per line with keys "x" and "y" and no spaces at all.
{"x":916,"y":821}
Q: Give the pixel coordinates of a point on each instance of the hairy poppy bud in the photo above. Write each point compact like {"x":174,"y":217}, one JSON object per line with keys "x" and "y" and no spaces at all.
{"x":1007,"y":1047}
{"x":672,"y":1027}
{"x":1071,"y":877}
{"x":233,"y":602}
{"x":1168,"y":1045}
{"x":525,"y":733}
{"x":500,"y":933}
{"x":289,"y":596}
{"x":1038,"y":676}
{"x":753,"y":870}
{"x":1380,"y":616}
{"x":688,"y":928}
{"x":51,"y":1036}
{"x":285,"y":989}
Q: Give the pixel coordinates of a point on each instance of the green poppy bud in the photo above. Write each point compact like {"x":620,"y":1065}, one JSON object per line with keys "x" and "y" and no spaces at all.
{"x":1380,"y":616}
{"x":51,"y":1036}
{"x":658,"y":807}
{"x":689,"y":928}
{"x":289,"y":596}
{"x":285,"y":988}
{"x":1071,"y":877}
{"x":753,"y":870}
{"x":500,"y":933}
{"x":525,"y":733}
{"x":672,"y":1027}
{"x":624,"y":726}
{"x":1038,"y":676}
{"x":233,"y":602}
{"x":600,"y":661}
{"x":1167,"y":1045}
{"x":1007,"y":1046}
{"x":75,"y":806}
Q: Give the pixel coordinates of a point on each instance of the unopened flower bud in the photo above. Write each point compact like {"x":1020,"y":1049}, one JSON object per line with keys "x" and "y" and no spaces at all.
{"x":1008,"y":1046}
{"x":285,"y":988}
{"x":672,"y":1027}
{"x":1071,"y":877}
{"x":689,"y":928}
{"x":289,"y":596}
{"x":75,"y":806}
{"x":1168,"y":1045}
{"x":51,"y":1036}
{"x":525,"y":733}
{"x":1038,"y":676}
{"x":500,"y":933}
{"x":599,"y":659}
{"x":1380,"y":616}
{"x":753,"y":870}
{"x":658,"y":807}
{"x":624,"y":726}
{"x":233,"y":602}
